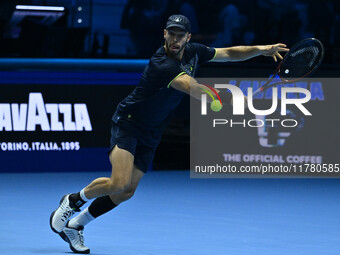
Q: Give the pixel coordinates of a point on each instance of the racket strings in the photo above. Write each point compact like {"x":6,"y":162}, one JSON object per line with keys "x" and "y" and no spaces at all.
{"x":301,"y":60}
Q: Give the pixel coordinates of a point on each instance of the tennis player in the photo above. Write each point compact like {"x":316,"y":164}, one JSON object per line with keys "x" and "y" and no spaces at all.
{"x":139,"y":121}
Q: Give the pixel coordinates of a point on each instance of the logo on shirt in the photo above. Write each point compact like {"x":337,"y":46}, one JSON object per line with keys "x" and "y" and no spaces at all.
{"x":188,"y":69}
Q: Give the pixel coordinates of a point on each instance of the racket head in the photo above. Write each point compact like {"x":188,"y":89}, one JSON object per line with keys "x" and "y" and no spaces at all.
{"x":302,"y":60}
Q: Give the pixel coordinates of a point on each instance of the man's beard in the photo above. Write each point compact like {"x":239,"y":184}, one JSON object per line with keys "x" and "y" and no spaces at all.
{"x":178,"y":52}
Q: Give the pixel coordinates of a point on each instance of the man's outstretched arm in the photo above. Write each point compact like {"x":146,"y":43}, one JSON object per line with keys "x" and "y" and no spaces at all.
{"x":240,"y":53}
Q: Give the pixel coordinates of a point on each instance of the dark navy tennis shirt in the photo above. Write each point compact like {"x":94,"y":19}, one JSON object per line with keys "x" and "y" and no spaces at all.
{"x":146,"y":111}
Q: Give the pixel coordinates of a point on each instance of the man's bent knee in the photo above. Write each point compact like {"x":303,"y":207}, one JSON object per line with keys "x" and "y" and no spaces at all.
{"x":128,"y":193}
{"x":123,"y":196}
{"x":118,"y":185}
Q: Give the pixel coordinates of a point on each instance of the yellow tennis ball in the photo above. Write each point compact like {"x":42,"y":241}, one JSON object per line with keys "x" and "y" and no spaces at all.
{"x":216,"y":106}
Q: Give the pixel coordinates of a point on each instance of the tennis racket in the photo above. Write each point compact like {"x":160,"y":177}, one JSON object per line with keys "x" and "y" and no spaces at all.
{"x":302,"y":60}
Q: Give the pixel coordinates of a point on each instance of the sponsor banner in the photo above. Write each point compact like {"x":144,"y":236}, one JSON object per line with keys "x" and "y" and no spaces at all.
{"x":56,"y":127}
{"x":286,"y":131}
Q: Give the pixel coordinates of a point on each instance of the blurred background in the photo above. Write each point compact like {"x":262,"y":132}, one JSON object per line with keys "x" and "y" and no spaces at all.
{"x":133,"y":29}
{"x":93,"y":52}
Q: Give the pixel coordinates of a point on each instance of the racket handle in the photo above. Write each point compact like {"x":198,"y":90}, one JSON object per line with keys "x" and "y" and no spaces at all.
{"x":259,"y":90}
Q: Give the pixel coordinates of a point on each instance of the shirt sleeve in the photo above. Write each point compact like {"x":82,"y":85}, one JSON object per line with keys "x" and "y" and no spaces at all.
{"x":204,"y":53}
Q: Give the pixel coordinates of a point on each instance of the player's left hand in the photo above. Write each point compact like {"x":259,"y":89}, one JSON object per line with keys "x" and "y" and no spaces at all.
{"x":273,"y":50}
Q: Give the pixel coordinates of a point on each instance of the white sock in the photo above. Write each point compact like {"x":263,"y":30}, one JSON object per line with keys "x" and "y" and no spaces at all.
{"x":81,"y":219}
{"x":82,"y":195}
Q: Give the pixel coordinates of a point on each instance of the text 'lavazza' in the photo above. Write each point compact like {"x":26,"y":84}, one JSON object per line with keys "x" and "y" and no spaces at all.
{"x":50,"y":117}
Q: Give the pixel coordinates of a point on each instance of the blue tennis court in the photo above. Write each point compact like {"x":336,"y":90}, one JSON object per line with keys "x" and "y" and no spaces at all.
{"x":173,"y":214}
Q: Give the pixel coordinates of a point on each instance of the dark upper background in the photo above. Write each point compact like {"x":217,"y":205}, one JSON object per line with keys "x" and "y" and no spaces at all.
{"x":133,"y":28}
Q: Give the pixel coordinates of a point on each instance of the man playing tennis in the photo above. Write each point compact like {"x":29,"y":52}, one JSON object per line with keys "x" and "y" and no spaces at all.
{"x":139,"y":121}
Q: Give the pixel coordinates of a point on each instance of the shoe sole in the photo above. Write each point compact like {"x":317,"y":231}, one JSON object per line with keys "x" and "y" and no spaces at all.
{"x":52,"y":214}
{"x":65,"y":238}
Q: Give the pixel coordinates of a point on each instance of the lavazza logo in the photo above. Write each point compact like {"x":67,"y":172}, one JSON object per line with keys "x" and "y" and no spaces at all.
{"x":26,"y":117}
{"x":239,"y":107}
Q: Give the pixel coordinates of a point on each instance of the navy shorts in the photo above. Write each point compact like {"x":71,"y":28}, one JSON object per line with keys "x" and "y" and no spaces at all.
{"x":124,"y":140}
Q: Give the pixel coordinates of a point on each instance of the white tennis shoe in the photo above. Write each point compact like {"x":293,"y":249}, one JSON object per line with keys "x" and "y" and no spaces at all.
{"x":64,"y":212}
{"x":75,"y":238}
